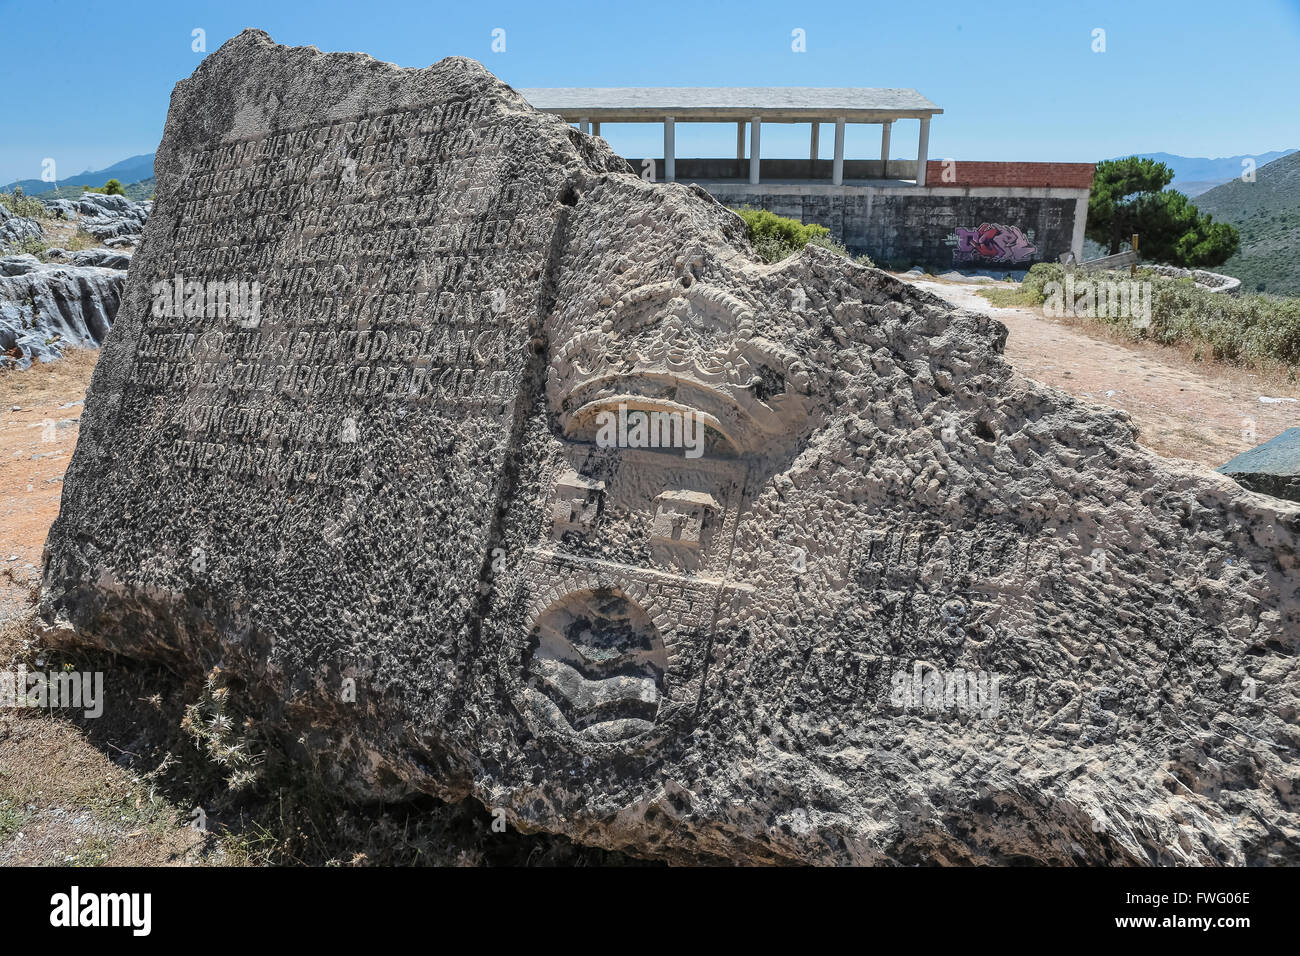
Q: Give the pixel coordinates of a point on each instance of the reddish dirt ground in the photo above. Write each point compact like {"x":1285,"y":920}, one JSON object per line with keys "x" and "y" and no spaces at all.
{"x":40,"y":411}
{"x":1204,"y":412}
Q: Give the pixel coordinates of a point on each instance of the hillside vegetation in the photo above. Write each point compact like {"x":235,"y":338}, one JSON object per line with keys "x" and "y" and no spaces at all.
{"x":1267,"y":216}
{"x":1254,"y":331}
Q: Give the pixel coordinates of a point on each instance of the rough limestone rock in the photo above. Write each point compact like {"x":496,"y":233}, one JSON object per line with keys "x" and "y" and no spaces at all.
{"x":14,"y":228}
{"x":105,"y":258}
{"x":1271,"y":468}
{"x":899,"y":604}
{"x":46,"y":308}
{"x":107,"y":218}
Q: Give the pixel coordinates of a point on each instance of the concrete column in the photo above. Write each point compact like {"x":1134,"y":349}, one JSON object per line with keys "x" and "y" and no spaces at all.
{"x":670,"y":159}
{"x":812,"y":147}
{"x":885,"y":129}
{"x":837,"y":176}
{"x":740,"y":142}
{"x":755,"y":126}
{"x":595,"y":128}
{"x":923,"y":151}
{"x":584,"y":125}
{"x":1080,"y":225}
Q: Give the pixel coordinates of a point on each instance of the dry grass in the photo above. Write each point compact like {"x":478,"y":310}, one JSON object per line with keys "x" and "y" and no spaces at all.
{"x":1009,"y":296}
{"x":120,"y":790}
{"x":65,"y":802}
{"x":48,"y":381}
{"x":1265,"y":373}
{"x":1259,"y":374}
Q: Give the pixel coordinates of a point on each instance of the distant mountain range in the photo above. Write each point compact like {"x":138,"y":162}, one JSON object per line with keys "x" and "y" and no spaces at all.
{"x":1194,"y":175}
{"x":127,"y":171}
{"x":1267,"y":214}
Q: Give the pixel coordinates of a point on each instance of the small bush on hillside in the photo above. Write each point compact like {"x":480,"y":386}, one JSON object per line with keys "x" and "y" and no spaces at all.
{"x":25,"y":206}
{"x":79,"y":240}
{"x":111,"y":188}
{"x":778,"y":237}
{"x":28,"y":245}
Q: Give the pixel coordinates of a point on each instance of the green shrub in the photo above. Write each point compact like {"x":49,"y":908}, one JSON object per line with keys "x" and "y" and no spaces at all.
{"x":778,"y":237}
{"x":79,"y":240}
{"x":826,"y":242}
{"x":30,"y":245}
{"x":26,"y":206}
{"x":111,"y":188}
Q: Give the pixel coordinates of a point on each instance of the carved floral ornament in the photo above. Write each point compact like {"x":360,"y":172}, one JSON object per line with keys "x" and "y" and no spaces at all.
{"x":668,"y":347}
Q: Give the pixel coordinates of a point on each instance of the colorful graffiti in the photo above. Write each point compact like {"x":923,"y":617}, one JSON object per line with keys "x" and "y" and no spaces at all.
{"x":992,"y":242}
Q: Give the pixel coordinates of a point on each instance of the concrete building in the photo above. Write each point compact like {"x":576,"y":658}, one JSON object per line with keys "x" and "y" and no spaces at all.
{"x":901,"y":212}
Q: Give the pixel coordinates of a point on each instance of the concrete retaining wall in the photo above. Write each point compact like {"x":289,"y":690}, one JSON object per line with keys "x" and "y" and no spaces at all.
{"x":985,"y":227}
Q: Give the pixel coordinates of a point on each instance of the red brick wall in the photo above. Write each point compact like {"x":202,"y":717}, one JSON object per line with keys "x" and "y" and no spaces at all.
{"x":968,"y":173}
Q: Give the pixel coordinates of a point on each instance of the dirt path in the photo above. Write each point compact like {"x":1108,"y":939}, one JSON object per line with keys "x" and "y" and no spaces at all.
{"x":40,"y":412}
{"x":1183,"y":409}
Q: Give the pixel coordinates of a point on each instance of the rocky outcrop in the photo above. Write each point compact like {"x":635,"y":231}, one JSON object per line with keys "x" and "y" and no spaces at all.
{"x":47,"y":308}
{"x":104,"y":258}
{"x":15,"y":228}
{"x":1209,"y":281}
{"x":107,"y":218}
{"x":521,"y":478}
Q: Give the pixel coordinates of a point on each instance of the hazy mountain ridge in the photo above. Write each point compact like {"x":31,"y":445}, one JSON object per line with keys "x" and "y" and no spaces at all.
{"x":1194,"y":175}
{"x":131,"y":170}
{"x":1267,"y":214}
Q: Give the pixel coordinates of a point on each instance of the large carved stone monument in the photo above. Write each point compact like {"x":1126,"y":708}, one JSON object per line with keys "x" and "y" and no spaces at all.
{"x":369,"y":418}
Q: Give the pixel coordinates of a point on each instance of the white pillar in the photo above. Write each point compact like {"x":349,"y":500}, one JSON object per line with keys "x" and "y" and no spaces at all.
{"x":584,"y":125}
{"x":595,"y":128}
{"x":1080,"y":224}
{"x":670,"y":160}
{"x":885,"y":129}
{"x":755,"y":125}
{"x":812,"y":147}
{"x":837,"y":176}
{"x":922,"y":151}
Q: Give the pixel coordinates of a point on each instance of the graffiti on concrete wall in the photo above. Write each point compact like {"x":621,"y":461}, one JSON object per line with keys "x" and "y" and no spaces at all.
{"x":992,"y":242}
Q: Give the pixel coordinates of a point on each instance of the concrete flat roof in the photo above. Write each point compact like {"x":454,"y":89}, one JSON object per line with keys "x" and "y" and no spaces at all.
{"x":777,"y":104}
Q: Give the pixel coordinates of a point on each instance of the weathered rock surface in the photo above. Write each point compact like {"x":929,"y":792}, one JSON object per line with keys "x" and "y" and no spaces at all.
{"x":1271,"y":468}
{"x":907,"y":606}
{"x":1209,"y":281}
{"x":107,"y":218}
{"x":46,"y":308}
{"x":15,"y":228}
{"x":105,"y":258}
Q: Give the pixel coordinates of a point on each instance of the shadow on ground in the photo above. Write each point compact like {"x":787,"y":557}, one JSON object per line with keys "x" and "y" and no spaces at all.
{"x":133,"y":786}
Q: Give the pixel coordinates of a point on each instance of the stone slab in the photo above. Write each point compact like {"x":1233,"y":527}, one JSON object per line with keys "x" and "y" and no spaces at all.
{"x":906,"y":606}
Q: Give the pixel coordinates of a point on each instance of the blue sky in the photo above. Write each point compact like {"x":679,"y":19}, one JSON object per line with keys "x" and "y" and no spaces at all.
{"x":88,"y":83}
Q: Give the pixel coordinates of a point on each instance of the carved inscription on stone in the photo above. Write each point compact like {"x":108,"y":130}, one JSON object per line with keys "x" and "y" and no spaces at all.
{"x":377,"y":246}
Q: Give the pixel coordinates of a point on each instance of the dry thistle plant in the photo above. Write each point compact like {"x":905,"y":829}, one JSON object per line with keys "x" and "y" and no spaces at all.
{"x":216,"y":733}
